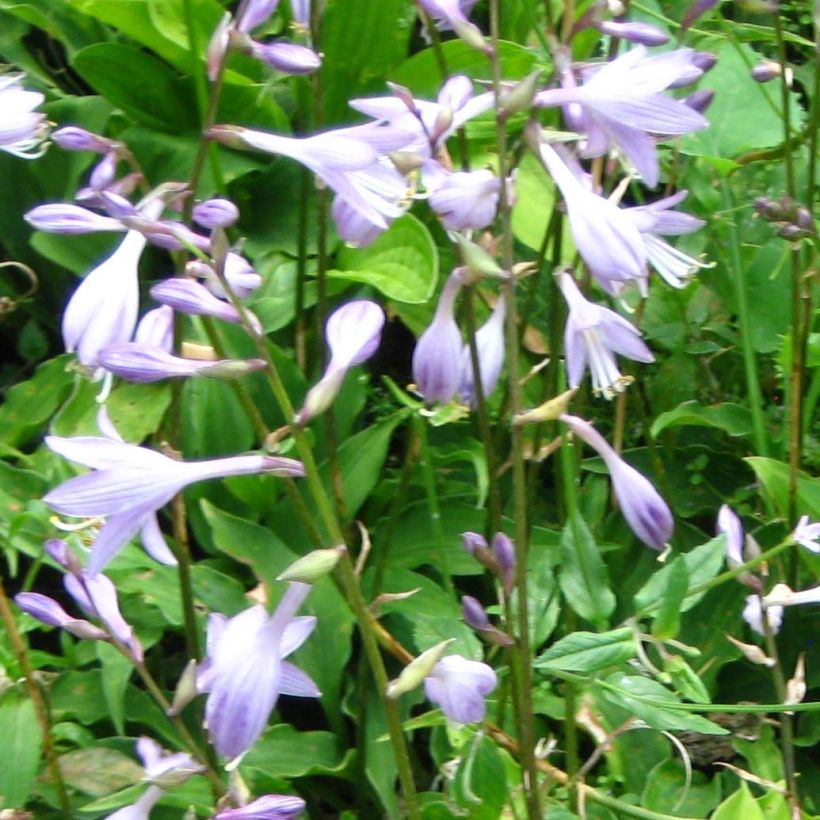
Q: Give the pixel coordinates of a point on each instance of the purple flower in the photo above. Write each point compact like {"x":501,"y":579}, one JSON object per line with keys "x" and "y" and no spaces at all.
{"x":592,"y":336}
{"x":623,"y":105}
{"x":269,"y":807}
{"x":289,"y":58}
{"x":351,"y":226}
{"x":130,"y":483}
{"x":22,"y":130}
{"x":244,"y":672}
{"x":353,"y":332}
{"x":142,"y":363}
{"x":489,"y":340}
{"x":462,"y":200}
{"x":73,"y":138}
{"x":459,"y":687}
{"x":437,"y":359}
{"x":64,"y":218}
{"x":504,"y":551}
{"x":753,"y":615}
{"x":48,"y":611}
{"x":215,"y":213}
{"x":645,"y":511}
{"x":238,"y":272}
{"x":255,"y":14}
{"x":606,"y":238}
{"x":634,"y":31}
{"x":674,"y":266}
{"x":730,"y":525}
{"x":452,"y":15}
{"x":475,"y":616}
{"x":156,"y":328}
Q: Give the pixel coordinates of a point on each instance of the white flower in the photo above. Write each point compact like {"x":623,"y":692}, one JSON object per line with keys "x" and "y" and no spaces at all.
{"x":21,"y":128}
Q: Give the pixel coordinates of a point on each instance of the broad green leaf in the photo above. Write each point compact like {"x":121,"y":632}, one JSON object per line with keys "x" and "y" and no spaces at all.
{"x":741,"y":118}
{"x":116,"y":672}
{"x":285,"y":752}
{"x":481,"y":782}
{"x":667,"y":619}
{"x":684,"y":679}
{"x":215,"y":422}
{"x":20,"y":744}
{"x":98,"y":771}
{"x":774,"y":477}
{"x":402,"y":263}
{"x":138,"y":83}
{"x":647,"y":699}
{"x":544,"y":597}
{"x":762,"y":754}
{"x":583,"y":575}
{"x":739,"y":805}
{"x":702,"y":564}
{"x":733,"y":419}
{"x":666,"y":791}
{"x":589,"y":651}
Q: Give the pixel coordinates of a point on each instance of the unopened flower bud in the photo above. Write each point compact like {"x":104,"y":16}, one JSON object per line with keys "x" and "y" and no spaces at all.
{"x":700,"y":100}
{"x":765,"y":71}
{"x":69,"y":219}
{"x":695,"y":10}
{"x":635,"y":32}
{"x":104,"y":172}
{"x":548,"y":411}
{"x":475,"y":617}
{"x":471,"y":35}
{"x":289,"y":58}
{"x":752,"y":652}
{"x":186,"y":689}
{"x":73,"y":138}
{"x":704,"y":60}
{"x":803,"y":219}
{"x":504,"y":551}
{"x":215,"y":213}
{"x":315,"y":565}
{"x":405,"y":95}
{"x":520,"y":97}
{"x":416,"y":671}
{"x":478,"y":262}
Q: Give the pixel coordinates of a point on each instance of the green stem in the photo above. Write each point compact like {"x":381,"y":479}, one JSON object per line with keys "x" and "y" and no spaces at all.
{"x":755,"y":396}
{"x":521,"y":657}
{"x":40,"y":710}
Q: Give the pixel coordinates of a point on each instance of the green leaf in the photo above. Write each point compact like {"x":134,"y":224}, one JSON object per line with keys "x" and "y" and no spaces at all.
{"x":20,"y":743}
{"x":741,"y":118}
{"x":97,"y":771}
{"x":774,"y":477}
{"x":666,"y":791}
{"x":702,"y":564}
{"x":116,"y":672}
{"x":402,"y":263}
{"x":583,"y":575}
{"x":739,"y":805}
{"x":647,"y":699}
{"x":667,"y":619}
{"x":481,"y":781}
{"x":589,"y":651}
{"x":685,"y":680}
{"x":138,"y":83}
{"x":284,"y":752}
{"x":733,"y":419}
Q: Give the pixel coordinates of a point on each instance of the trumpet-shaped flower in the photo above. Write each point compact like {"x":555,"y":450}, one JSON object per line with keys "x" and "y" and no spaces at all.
{"x":245,"y":671}
{"x":128,"y":484}
{"x":489,"y":339}
{"x":623,"y":105}
{"x":606,"y":238}
{"x":645,"y":511}
{"x":592,"y":336}
{"x":156,"y":328}
{"x":353,"y":332}
{"x":22,"y":130}
{"x":437,"y":359}
{"x":462,"y":200}
{"x":269,"y":807}
{"x":460,"y":687}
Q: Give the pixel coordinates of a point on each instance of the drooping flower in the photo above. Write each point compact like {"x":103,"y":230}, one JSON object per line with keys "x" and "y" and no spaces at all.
{"x":437,"y":359}
{"x":22,"y":130}
{"x":48,"y":611}
{"x":753,"y":615}
{"x":489,"y":340}
{"x":783,"y":595}
{"x":462,"y":200}
{"x":256,"y":12}
{"x":269,"y":807}
{"x":142,"y":363}
{"x":353,"y":332}
{"x":645,"y":511}
{"x":592,"y":336}
{"x":807,"y":534}
{"x":128,"y":484}
{"x":238,"y":273}
{"x":605,"y":237}
{"x":460,"y":687}
{"x":730,"y":525}
{"x":156,"y":328}
{"x":245,"y":672}
{"x":622,"y":104}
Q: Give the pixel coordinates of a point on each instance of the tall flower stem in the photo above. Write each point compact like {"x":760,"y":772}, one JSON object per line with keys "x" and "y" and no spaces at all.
{"x":37,"y":701}
{"x":521,"y":658}
{"x":754,"y":394}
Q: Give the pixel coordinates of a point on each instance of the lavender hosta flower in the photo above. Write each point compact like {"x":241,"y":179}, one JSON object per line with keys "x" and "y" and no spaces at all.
{"x":22,"y":130}
{"x":695,"y":10}
{"x":156,"y":328}
{"x":807,"y":534}
{"x":301,"y":14}
{"x":675,"y":267}
{"x":460,"y":687}
{"x":504,"y":551}
{"x":783,"y":595}
{"x":269,"y":807}
{"x":64,"y":218}
{"x":634,"y":31}
{"x":463,"y":200}
{"x":489,"y":340}
{"x":353,"y":332}
{"x":452,"y":15}
{"x":343,"y":159}
{"x":475,"y":616}
{"x":245,"y":672}
{"x":238,"y":272}
{"x":623,"y":105}
{"x":730,"y":525}
{"x":256,"y":12}
{"x":74,"y":138}
{"x":162,"y":771}
{"x":188,"y":296}
{"x":438,"y":357}
{"x":352,"y":227}
{"x":130,"y":483}
{"x":753,"y":615}
{"x":104,"y":172}
{"x":48,"y":611}
{"x":215,"y":213}
{"x":606,"y":238}
{"x":141,"y":363}
{"x":645,"y":511}
{"x":592,"y":336}
{"x":289,"y":58}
